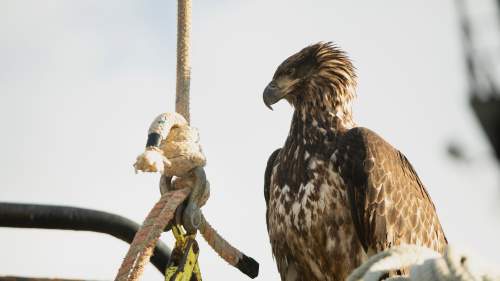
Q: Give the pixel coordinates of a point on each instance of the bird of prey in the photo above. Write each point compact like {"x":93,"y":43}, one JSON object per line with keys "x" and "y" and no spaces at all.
{"x":336,"y":193}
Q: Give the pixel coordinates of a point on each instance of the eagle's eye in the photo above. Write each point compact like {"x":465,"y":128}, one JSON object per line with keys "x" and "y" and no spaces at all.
{"x":290,"y":71}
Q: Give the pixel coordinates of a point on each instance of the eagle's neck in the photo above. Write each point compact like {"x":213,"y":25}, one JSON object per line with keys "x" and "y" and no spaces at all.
{"x":316,"y":123}
{"x":312,"y":130}
{"x":325,"y":111}
{"x":317,"y":126}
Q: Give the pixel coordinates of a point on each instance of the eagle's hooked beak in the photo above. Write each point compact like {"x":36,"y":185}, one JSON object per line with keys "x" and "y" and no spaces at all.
{"x":272,"y":94}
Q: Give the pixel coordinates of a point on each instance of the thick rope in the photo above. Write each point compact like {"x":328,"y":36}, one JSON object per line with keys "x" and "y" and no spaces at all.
{"x":146,"y":238}
{"x":183,"y":63}
{"x":424,"y":264}
{"x":225,"y":250}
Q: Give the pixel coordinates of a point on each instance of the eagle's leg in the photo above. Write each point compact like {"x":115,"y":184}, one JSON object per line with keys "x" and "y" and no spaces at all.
{"x":291,"y":273}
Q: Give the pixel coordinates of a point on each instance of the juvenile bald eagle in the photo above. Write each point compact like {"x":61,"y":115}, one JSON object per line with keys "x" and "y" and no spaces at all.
{"x":336,"y":193}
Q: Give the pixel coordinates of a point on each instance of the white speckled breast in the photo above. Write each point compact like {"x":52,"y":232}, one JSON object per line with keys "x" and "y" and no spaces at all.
{"x":314,"y":226}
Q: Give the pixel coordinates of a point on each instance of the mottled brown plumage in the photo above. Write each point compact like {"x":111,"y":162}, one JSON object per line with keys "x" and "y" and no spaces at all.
{"x":336,"y":193}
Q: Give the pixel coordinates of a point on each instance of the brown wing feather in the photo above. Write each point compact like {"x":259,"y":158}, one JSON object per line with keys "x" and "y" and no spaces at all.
{"x":267,"y":179}
{"x":389,"y":203}
{"x":284,"y":261}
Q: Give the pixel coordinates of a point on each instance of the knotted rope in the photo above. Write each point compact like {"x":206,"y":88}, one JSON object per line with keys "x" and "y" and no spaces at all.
{"x":424,"y":264}
{"x":173,"y":150}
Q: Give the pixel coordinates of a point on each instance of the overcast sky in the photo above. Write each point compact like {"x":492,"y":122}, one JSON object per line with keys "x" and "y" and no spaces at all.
{"x":80,"y":82}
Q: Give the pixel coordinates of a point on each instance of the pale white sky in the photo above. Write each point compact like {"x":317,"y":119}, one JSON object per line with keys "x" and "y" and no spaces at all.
{"x":80,"y":82}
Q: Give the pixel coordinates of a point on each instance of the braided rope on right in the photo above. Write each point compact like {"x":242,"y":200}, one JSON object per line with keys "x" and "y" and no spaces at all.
{"x":225,"y":250}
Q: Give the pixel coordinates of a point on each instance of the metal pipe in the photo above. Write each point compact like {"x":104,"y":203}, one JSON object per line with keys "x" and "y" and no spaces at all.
{"x":79,"y":219}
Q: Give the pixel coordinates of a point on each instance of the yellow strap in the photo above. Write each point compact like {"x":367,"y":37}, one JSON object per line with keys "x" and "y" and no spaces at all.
{"x":184,"y":257}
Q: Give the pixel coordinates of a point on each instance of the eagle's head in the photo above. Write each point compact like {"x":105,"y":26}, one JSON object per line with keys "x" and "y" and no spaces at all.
{"x":320,"y":79}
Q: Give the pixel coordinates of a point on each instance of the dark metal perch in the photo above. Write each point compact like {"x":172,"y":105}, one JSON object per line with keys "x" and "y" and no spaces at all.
{"x":80,"y":219}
